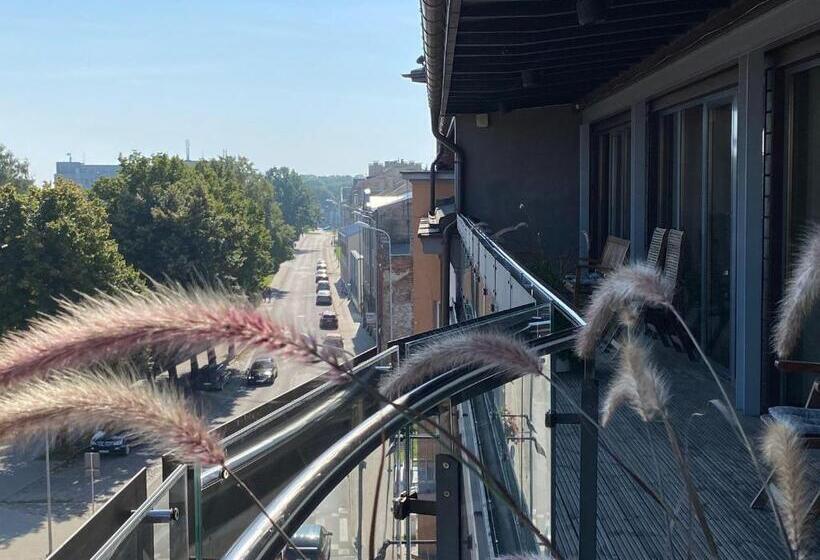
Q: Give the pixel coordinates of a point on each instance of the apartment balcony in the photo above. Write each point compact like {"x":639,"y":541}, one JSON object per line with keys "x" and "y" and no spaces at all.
{"x":577,"y":485}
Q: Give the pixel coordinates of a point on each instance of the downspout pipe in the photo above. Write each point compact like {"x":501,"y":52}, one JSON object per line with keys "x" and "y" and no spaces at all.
{"x":434,"y":30}
{"x":444,"y":313}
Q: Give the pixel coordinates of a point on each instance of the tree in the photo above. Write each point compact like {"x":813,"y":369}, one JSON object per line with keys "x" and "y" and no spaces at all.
{"x":56,"y":242}
{"x":263,"y":205}
{"x":298,"y":205}
{"x":186,"y":223}
{"x":14,"y":171}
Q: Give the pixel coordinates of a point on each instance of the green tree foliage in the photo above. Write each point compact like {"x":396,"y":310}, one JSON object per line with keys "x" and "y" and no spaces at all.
{"x":326,"y":190}
{"x":55,"y":241}
{"x":187,"y":223}
{"x":14,"y":171}
{"x":297,"y":202}
{"x":264,"y":208}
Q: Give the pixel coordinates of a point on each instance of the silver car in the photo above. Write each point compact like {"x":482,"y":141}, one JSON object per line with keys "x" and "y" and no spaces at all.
{"x":323,"y":297}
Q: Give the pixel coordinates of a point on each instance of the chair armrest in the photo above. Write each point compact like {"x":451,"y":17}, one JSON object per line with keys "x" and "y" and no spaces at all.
{"x":794,"y":366}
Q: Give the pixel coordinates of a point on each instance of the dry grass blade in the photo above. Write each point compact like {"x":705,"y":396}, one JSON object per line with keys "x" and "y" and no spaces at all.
{"x":801,"y":293}
{"x":167,"y":318}
{"x":785,"y":453}
{"x":84,"y":402}
{"x":632,"y":286}
{"x":471,"y":348}
{"x":636,"y":383}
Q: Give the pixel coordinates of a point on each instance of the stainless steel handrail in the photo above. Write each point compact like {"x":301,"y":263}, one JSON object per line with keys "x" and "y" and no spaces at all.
{"x":512,"y":266}
{"x":306,"y":491}
{"x":108,"y":550}
{"x":325,"y":403}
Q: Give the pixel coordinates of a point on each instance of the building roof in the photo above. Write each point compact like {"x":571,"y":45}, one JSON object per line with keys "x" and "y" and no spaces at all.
{"x":425,"y":175}
{"x":497,"y":56}
{"x":379,"y":201}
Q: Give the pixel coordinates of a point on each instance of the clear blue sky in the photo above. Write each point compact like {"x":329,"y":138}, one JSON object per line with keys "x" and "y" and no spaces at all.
{"x":315,"y":85}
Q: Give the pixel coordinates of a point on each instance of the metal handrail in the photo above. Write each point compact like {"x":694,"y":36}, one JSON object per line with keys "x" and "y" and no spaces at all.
{"x":320,"y":396}
{"x":513,"y":267}
{"x":305,"y":492}
{"x":110,"y":547}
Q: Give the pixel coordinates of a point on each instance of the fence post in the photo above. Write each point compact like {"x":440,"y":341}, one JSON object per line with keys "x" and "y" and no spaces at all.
{"x":588,"y":494}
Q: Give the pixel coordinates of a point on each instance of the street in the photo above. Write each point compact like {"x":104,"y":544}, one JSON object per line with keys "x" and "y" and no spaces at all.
{"x":23,"y":531}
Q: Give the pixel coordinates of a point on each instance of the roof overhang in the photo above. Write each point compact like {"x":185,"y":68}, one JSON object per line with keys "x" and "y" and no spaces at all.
{"x":484,"y":56}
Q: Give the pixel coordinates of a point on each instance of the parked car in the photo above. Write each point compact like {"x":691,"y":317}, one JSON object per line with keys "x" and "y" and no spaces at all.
{"x":334,"y":340}
{"x":328,"y":320}
{"x":108,"y":443}
{"x":313,"y":541}
{"x":323,"y":297}
{"x":212,"y":377}
{"x":263,"y":371}
{"x":322,"y":276}
{"x":323,"y":285}
{"x":321,"y":263}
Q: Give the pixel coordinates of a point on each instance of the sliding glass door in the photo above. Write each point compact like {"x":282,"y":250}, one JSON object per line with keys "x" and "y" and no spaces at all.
{"x":802,"y":207}
{"x":609,"y":186}
{"x":693,"y":175}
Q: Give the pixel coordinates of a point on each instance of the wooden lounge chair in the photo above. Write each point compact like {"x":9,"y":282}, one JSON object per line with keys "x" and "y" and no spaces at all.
{"x":589,"y":273}
{"x":657,"y":249}
{"x":805,"y":419}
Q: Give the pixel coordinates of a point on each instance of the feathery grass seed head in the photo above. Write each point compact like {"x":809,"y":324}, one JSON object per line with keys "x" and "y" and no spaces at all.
{"x":800,"y":295}
{"x":470,"y":348}
{"x":636,"y":383}
{"x":79,"y":402}
{"x":634,"y":287}
{"x":784,"y":452}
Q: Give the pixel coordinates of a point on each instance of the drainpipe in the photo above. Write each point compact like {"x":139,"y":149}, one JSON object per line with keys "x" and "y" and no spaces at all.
{"x":444,"y":304}
{"x":433,"y":172}
{"x":458,"y":166}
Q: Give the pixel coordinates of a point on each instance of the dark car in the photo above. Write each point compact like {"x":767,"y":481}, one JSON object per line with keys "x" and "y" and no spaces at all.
{"x":313,"y":541}
{"x":108,"y":443}
{"x":263,"y":371}
{"x":323,"y":297}
{"x":328,"y":320}
{"x":212,"y":377}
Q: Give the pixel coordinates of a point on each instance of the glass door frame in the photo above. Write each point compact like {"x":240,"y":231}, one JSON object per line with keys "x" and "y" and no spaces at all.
{"x":707,"y":103}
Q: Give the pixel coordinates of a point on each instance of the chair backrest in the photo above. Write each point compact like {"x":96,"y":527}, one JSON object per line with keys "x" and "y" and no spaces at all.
{"x":653,"y":257}
{"x":671,"y":264}
{"x":615,"y":250}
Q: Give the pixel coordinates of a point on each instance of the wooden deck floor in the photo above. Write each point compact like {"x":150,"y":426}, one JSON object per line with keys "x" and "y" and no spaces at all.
{"x":631,"y":525}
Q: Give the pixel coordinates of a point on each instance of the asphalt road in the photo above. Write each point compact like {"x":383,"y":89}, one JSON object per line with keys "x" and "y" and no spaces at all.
{"x":23,"y":520}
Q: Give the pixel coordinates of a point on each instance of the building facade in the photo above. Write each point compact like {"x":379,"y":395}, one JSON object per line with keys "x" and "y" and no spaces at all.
{"x":84,"y":175}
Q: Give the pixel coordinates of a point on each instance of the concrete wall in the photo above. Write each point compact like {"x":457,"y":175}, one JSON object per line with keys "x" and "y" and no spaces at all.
{"x":426,"y":268}
{"x":524,"y":168}
{"x":395,"y":220}
{"x":401,"y":270}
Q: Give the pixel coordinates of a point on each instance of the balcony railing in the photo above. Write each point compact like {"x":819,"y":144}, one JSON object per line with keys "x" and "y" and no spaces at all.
{"x":294,"y":454}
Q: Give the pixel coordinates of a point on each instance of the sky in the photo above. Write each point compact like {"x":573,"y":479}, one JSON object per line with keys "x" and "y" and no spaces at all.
{"x":314,"y":85}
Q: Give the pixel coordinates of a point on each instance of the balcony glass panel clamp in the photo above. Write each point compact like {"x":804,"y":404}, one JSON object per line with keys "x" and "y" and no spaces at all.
{"x":553,"y":419}
{"x":159,"y":516}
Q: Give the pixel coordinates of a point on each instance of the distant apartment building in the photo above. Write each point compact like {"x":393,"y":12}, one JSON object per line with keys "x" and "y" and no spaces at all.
{"x":382,"y":168}
{"x":82,"y":174}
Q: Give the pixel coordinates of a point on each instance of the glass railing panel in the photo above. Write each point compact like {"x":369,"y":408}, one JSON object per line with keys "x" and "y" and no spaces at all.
{"x":280,"y":450}
{"x":158,"y":529}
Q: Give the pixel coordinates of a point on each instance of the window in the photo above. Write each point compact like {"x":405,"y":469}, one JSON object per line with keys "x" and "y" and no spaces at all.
{"x":692,"y":175}
{"x":609,"y":186}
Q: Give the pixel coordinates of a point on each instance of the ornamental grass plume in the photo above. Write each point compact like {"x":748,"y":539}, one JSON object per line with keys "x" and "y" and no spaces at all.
{"x":633,"y":286}
{"x":785,"y":453}
{"x":167,"y":318}
{"x":470,"y":348}
{"x":82,"y":402}
{"x":636,"y":383}
{"x":801,"y":293}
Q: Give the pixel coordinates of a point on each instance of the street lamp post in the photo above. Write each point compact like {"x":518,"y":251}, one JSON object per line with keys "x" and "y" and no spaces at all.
{"x":389,"y":270}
